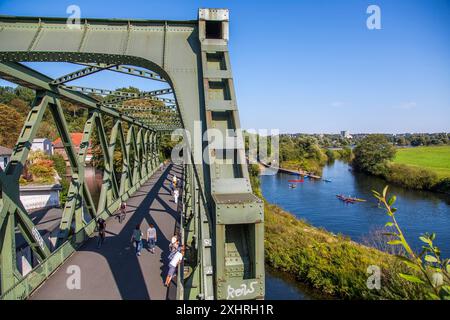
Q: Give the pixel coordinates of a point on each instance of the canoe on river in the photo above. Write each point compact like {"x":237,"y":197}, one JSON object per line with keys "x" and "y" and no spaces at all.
{"x":349,"y":199}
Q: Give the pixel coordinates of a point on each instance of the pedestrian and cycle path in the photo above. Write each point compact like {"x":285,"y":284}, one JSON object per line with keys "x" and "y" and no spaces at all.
{"x":114,"y":271}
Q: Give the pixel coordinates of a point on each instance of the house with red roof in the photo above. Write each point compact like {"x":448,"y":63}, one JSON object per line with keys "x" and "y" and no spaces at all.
{"x":76,"y":137}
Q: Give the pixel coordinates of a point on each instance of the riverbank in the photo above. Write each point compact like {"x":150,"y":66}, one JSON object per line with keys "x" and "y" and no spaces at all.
{"x":333,"y":264}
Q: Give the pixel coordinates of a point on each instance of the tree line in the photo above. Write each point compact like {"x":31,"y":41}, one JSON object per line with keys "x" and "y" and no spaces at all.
{"x":402,"y":139}
{"x":374,"y":154}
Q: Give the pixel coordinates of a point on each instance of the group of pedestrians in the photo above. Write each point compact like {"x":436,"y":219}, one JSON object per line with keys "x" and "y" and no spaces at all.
{"x":176,"y":251}
{"x":137,"y":238}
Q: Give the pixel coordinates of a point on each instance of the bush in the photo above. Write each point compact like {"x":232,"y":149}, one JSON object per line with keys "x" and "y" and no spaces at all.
{"x":253,"y":170}
{"x":411,"y":177}
{"x":59,"y":164}
{"x":345,"y":154}
{"x":331,"y":155}
{"x":42,"y":168}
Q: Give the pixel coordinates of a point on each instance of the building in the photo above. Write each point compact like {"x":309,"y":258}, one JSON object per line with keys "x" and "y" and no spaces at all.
{"x":5,"y":156}
{"x":76,"y":137}
{"x":346,"y":134}
{"x":42,"y":144}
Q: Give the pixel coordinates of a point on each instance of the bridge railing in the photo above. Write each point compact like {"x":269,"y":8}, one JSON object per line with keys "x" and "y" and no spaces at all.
{"x":22,"y":289}
{"x":182,"y":211}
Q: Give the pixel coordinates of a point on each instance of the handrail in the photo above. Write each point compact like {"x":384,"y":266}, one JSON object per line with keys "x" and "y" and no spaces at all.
{"x":180,"y":272}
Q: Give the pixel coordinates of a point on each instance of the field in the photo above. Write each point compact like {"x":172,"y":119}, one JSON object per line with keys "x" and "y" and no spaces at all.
{"x":436,"y":159}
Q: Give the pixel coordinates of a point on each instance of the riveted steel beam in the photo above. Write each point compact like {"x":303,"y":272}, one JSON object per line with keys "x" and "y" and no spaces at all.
{"x":81,"y":73}
{"x":27,"y":77}
{"x":140,"y":95}
{"x":122,"y":95}
{"x":131,"y":71}
{"x":139,"y":108}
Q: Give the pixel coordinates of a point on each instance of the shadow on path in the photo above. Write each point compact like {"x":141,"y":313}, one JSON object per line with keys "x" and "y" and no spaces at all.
{"x":114,"y":271}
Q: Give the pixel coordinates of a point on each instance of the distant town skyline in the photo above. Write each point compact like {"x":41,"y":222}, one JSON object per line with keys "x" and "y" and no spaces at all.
{"x":304,"y":66}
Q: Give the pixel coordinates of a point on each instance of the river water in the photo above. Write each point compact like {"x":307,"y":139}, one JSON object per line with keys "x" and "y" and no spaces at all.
{"x":316,"y":202}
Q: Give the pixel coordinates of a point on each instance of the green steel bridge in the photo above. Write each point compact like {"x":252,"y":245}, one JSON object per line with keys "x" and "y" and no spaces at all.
{"x":220,"y":221}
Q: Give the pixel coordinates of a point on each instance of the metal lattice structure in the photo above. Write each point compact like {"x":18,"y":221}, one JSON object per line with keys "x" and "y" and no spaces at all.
{"x":222,"y":219}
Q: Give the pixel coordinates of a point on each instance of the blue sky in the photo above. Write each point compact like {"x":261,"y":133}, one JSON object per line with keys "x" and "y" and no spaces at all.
{"x":313,"y":66}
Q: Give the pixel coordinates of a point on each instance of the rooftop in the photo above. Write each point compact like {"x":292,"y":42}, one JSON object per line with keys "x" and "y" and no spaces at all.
{"x":75,"y":137}
{"x":4,"y":151}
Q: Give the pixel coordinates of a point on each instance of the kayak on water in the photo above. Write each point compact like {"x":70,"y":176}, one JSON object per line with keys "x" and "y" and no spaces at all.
{"x":295,"y":181}
{"x":326,"y":180}
{"x":349,"y":199}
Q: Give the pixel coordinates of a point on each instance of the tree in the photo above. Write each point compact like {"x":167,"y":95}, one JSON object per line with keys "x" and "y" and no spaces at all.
{"x":12,"y":123}
{"x":6,"y":94}
{"x":25,"y":94}
{"x":372,"y":154}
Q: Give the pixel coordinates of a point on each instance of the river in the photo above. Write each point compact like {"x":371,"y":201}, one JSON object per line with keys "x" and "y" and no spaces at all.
{"x":316,"y":202}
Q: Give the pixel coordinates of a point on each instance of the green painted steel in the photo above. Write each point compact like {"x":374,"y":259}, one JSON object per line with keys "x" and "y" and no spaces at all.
{"x":222,"y":223}
{"x":137,"y":72}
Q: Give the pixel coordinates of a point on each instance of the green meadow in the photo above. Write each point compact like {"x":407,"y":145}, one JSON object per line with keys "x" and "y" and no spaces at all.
{"x":436,"y":159}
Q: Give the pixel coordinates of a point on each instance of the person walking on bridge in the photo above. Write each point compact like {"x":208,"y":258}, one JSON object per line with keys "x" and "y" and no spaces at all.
{"x":137,"y":238}
{"x":173,"y":246}
{"x":173,"y":264}
{"x":101,"y":227}
{"x":151,"y":238}
{"x":174,"y":180}
{"x":122,"y":211}
{"x":176,"y":194}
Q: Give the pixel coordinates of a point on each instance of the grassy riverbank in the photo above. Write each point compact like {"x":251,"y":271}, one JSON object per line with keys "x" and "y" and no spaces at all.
{"x":332,"y":264}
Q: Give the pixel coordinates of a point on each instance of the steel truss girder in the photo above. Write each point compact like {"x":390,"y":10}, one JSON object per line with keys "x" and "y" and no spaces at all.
{"x":27,"y":77}
{"x":78,"y":194}
{"x":160,"y":117}
{"x":12,"y":209}
{"x":148,"y":94}
{"x":123,"y":96}
{"x":144,"y":108}
{"x":130,"y":71}
{"x":81,"y":73}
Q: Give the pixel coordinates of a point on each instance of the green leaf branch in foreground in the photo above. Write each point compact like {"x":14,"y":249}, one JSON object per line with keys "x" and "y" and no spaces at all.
{"x":427,"y":268}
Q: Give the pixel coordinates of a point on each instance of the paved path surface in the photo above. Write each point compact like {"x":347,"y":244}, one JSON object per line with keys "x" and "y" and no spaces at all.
{"x":114,"y":271}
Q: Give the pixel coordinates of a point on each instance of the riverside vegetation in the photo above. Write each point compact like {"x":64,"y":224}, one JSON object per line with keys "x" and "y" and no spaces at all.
{"x":333,"y":264}
{"x":375,"y":155}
